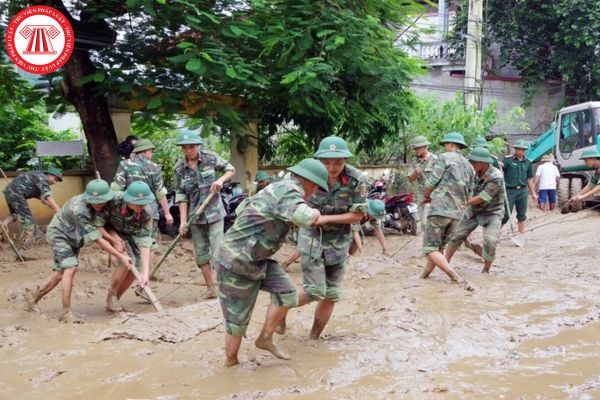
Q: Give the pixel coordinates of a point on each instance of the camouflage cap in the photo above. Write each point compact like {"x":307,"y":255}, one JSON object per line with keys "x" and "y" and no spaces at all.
{"x":313,"y":170}
{"x":261,"y":176}
{"x":54,"y":171}
{"x":97,"y":192}
{"x":420,"y":141}
{"x":333,"y":147}
{"x":590,"y":153}
{"x":521,"y":144}
{"x":188,"y":137}
{"x":143,"y":145}
{"x":481,"y":154}
{"x":376,"y":208}
{"x":454,"y":137}
{"x":480,"y":142}
{"x":139,"y":193}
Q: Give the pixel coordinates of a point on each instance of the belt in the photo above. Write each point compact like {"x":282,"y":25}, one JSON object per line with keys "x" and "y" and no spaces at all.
{"x":517,"y":187}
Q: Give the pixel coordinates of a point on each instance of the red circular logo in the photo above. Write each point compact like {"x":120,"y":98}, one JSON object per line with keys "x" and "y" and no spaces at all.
{"x":39,"y":39}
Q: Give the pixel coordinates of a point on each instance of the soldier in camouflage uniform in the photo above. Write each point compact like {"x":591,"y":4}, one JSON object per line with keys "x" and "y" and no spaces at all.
{"x":243,"y":259}
{"x":420,"y":170}
{"x":195,"y":178}
{"x":591,"y":157}
{"x":127,"y":225}
{"x":27,"y":186}
{"x":485,"y":208}
{"x":262,"y":180}
{"x":448,"y":189}
{"x":375,"y":216}
{"x":324,"y":249}
{"x":71,"y":229}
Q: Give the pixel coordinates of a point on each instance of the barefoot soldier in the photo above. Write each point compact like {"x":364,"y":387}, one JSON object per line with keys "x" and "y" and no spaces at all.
{"x":195,"y":178}
{"x":375,"y":217}
{"x":419,"y":172}
{"x":127,"y":225}
{"x":71,"y":229}
{"x":448,"y":189}
{"x":28,"y":186}
{"x":325,"y":248}
{"x":243,"y":260}
{"x":591,"y":157}
{"x":485,"y":208}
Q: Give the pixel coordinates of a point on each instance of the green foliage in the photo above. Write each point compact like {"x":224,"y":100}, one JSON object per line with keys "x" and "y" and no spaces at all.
{"x":24,"y":121}
{"x":545,"y":40}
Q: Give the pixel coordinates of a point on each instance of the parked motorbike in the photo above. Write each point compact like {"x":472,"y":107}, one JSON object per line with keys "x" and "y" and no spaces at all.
{"x":402,"y":213}
{"x":232,"y":195}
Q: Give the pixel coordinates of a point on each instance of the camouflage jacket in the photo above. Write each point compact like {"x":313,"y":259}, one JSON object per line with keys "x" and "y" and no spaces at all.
{"x":426,"y":166}
{"x":489,"y":188}
{"x":126,"y":222}
{"x":595,"y":179}
{"x":452,"y":181}
{"x":261,"y":227}
{"x":74,"y":222}
{"x":139,"y":168}
{"x":30,"y":185}
{"x":193,"y":185}
{"x":332,"y":241}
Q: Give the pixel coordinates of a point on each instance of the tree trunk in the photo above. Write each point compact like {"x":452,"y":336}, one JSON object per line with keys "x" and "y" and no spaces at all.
{"x":94,"y":113}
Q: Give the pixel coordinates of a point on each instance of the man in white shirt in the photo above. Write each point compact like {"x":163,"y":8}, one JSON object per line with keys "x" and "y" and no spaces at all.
{"x":547,"y":175}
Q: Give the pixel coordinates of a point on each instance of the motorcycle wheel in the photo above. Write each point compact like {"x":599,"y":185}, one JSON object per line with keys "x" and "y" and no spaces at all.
{"x":410,"y":225}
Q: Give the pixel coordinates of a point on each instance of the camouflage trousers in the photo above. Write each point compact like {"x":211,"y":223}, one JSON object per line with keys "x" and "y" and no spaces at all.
{"x":437,"y":233}
{"x":19,"y":210}
{"x":206,"y":237}
{"x":65,"y":251}
{"x":491,"y":232}
{"x":237,"y":294}
{"x":322,"y":282}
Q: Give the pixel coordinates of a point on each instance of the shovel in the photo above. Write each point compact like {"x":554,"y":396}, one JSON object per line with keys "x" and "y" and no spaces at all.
{"x":146,"y":288}
{"x":516,"y":241}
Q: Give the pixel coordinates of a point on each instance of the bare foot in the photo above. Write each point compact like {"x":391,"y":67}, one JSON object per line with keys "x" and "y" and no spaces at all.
{"x":265,"y":343}
{"x":281,"y":328}
{"x":31,"y":304}
{"x":68,"y":317}
{"x":485,"y":270}
{"x":211,"y":293}
{"x":112,"y":303}
{"x":425,"y":275}
{"x":231,"y":362}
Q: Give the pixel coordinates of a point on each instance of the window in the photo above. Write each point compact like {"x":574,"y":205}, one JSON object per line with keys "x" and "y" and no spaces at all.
{"x":577,"y":131}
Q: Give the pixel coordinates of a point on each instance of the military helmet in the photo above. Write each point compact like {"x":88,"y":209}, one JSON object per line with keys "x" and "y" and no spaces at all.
{"x":143,"y":145}
{"x":420,"y":141}
{"x":97,"y":192}
{"x":481,"y":154}
{"x":521,"y":144}
{"x":454,"y":137}
{"x":261,"y":176}
{"x":313,"y":170}
{"x":54,"y":171}
{"x":480,"y":142}
{"x":376,"y":208}
{"x":590,"y":153}
{"x":188,"y":137}
{"x":333,"y":147}
{"x":139,"y":193}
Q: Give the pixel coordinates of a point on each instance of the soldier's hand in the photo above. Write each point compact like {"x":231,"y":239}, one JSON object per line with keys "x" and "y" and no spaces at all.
{"x":418,"y":171}
{"x":124,"y":259}
{"x":169,"y":219}
{"x":144,"y":281}
{"x":182,"y":230}
{"x":216,"y":186}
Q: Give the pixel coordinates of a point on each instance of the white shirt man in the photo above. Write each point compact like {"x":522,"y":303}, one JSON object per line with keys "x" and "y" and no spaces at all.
{"x":547,"y":175}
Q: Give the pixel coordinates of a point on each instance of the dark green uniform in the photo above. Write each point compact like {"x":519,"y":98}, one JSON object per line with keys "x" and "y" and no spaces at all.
{"x":516,"y":174}
{"x":324,"y":249}
{"x":26,"y":186}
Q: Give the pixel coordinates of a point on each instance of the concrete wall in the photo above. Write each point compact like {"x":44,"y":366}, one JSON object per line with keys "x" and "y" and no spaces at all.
{"x":73,"y":184}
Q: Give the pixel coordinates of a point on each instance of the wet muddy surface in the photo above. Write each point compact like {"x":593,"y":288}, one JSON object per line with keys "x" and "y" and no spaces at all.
{"x":530,"y":330}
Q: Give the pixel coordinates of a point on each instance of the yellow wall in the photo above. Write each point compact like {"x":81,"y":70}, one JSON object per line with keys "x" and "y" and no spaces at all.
{"x":73,"y":184}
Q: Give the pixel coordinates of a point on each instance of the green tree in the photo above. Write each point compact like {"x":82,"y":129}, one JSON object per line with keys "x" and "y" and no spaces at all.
{"x":544,"y":40}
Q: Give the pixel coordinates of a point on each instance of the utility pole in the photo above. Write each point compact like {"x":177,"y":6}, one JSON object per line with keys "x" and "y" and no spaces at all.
{"x":473,"y":75}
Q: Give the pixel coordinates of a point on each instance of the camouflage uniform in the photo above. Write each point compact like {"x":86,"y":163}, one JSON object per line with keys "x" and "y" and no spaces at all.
{"x":243,"y":260}
{"x":193,"y":186}
{"x":139,"y":168}
{"x":426,"y":166}
{"x":71,"y":229}
{"x":375,"y":222}
{"x":595,"y":179}
{"x":324,"y":250}
{"x":489,"y":188}
{"x":26,"y":186}
{"x":451,"y":180}
{"x":134,"y":229}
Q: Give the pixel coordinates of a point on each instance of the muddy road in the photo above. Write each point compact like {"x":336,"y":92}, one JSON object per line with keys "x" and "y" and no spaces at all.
{"x":531,"y":330}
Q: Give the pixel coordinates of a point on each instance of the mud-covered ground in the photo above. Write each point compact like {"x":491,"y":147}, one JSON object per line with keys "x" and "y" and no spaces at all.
{"x":531,"y":330}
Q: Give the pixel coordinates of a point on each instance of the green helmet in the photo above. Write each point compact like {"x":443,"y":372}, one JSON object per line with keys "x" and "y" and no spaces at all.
{"x":139,"y":193}
{"x":481,"y":154}
{"x":480,"y":142}
{"x":143,"y":145}
{"x":333,"y":147}
{"x":420,"y":141}
{"x":376,"y":208}
{"x":521,"y":144}
{"x":454,"y":137}
{"x":98,"y":192}
{"x":313,"y":170}
{"x":188,"y":137}
{"x":590,"y":153}
{"x":54,"y":171}
{"x":261,"y":176}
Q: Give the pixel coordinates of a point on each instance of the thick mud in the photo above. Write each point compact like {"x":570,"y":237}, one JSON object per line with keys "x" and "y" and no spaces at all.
{"x":530,"y":330}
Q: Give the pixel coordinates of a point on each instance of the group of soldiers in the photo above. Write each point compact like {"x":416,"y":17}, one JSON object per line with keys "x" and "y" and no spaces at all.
{"x":323,"y":197}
